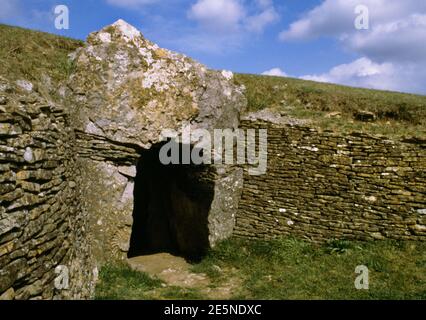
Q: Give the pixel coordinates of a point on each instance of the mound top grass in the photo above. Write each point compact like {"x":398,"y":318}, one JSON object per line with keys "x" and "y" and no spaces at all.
{"x":335,"y":107}
{"x":27,"y":54}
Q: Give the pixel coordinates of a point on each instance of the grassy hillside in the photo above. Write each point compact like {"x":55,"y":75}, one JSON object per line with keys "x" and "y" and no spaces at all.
{"x":335,"y":107}
{"x":27,"y":54}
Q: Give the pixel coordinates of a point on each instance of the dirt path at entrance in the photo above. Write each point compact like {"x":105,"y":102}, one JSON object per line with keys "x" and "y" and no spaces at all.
{"x":176,"y":272}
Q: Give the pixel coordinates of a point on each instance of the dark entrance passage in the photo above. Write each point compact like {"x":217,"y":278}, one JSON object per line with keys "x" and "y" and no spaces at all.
{"x":171,"y":205}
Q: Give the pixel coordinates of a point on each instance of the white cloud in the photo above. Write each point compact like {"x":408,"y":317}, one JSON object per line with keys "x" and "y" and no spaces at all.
{"x":225,"y":25}
{"x":337,"y":17}
{"x":234,"y":15}
{"x":219,"y":15}
{"x":392,"y":48}
{"x":366,"y":73}
{"x":358,"y":72}
{"x":399,"y":40}
{"x":130,"y":4}
{"x":275,"y":72}
{"x":257,"y":23}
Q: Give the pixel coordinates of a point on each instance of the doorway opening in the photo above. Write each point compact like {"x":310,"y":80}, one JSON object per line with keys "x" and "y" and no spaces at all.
{"x":171,"y":206}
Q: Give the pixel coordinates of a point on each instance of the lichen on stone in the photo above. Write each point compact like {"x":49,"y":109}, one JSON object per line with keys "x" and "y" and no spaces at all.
{"x":142,"y":89}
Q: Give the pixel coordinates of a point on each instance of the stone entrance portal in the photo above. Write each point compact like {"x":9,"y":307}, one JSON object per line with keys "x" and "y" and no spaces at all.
{"x":171,"y":207}
{"x":127,"y":92}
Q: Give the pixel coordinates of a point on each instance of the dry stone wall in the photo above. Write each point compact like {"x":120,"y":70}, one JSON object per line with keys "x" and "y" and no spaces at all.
{"x":41,"y":226}
{"x":322,"y":185}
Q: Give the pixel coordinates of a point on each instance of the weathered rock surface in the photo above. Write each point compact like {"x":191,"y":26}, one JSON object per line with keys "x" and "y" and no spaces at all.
{"x":129,"y":89}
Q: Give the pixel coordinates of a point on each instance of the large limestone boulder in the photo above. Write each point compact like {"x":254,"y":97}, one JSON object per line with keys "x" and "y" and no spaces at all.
{"x":130,"y":89}
{"x":126,"y":91}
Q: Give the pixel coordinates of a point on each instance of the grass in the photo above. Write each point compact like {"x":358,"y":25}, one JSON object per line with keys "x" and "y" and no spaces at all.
{"x":28,"y":54}
{"x":290,"y":269}
{"x":398,"y":114}
{"x":293,"y":269}
{"x":119,"y":282}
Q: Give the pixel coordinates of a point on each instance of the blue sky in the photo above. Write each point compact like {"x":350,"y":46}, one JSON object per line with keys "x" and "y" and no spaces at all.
{"x":310,"y":39}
